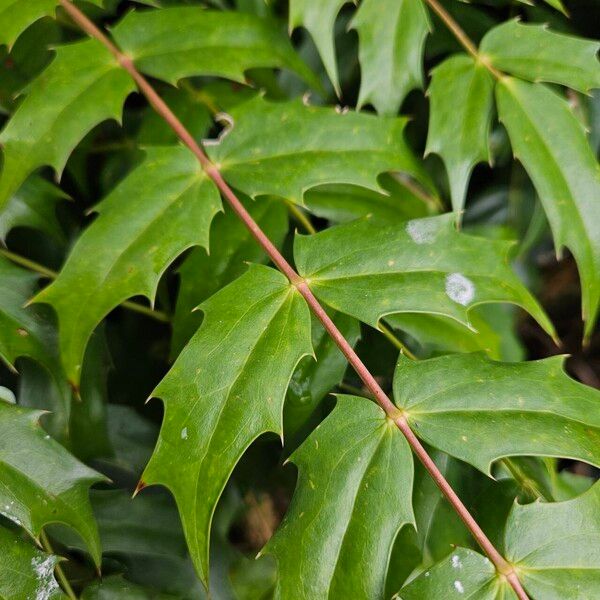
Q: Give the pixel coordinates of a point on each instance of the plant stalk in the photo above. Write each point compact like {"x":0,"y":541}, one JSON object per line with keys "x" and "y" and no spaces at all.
{"x":58,"y":570}
{"x":394,"y":413}
{"x":37,"y":268}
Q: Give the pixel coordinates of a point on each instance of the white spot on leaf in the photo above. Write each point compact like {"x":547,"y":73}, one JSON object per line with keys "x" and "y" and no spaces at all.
{"x":460,"y":289}
{"x":456,"y":564}
{"x":44,"y":572}
{"x":422,"y":231}
{"x":458,"y":586}
{"x":184,"y":433}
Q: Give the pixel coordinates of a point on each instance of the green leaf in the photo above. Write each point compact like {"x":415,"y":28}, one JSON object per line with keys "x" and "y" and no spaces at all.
{"x":493,"y":332}
{"x":26,"y":572}
{"x":479,"y":410}
{"x":551,"y":143}
{"x":535,"y":53}
{"x":464,"y":574}
{"x":83,"y":86}
{"x":370,"y":271}
{"x":226,"y":389}
{"x":178,"y":42}
{"x":34,"y":206}
{"x":115,"y":587}
{"x":461,"y":94}
{"x":318,"y":19}
{"x":232,"y":247}
{"x":285,"y":148}
{"x":353,"y":460}
{"x":391,"y":42}
{"x":162,"y":208}
{"x":25,"y":332}
{"x":553,"y":547}
{"x":314,"y":379}
{"x":559,"y":558}
{"x":40,"y":482}
{"x":342,"y":203}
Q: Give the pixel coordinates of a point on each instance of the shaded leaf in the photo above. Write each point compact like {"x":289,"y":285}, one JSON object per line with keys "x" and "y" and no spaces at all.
{"x":370,"y":271}
{"x":535,"y":53}
{"x":318,"y":19}
{"x":479,"y":410}
{"x":342,"y":203}
{"x":179,"y":42}
{"x":162,"y":208}
{"x":226,"y":389}
{"x":25,"y":332}
{"x":461,"y":95}
{"x":26,"y":572}
{"x":40,"y":482}
{"x":232,"y":247}
{"x":34,"y":206}
{"x":550,"y":142}
{"x":351,"y":461}
{"x":83,"y":86}
{"x":285,"y":148}
{"x":391,"y":42}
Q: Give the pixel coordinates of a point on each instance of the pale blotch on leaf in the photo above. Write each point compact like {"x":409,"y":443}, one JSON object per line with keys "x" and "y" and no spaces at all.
{"x":458,"y":586}
{"x":422,"y":231}
{"x":184,"y":433}
{"x":44,"y":572}
{"x":459,"y":288}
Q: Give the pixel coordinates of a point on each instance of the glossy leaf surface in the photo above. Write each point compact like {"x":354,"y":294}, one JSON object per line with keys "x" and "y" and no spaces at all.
{"x":550,"y":142}
{"x":352,"y":460}
{"x":226,"y":389}
{"x":162,"y":208}
{"x":479,"y":410}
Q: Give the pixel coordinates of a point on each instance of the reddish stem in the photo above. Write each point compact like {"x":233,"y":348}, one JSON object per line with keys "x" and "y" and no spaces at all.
{"x":370,"y":382}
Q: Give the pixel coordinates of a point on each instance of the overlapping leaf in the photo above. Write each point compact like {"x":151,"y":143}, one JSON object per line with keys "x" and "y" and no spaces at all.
{"x":163,"y":207}
{"x":352,"y":461}
{"x":554,"y":548}
{"x":40,"y":482}
{"x":17,"y":15}
{"x":285,"y":148}
{"x":426,"y":266}
{"x":461,"y":94}
{"x":34,"y":206}
{"x":184,"y":41}
{"x":551,"y":143}
{"x":535,"y":53}
{"x":26,"y":572}
{"x":24,"y":332}
{"x":391,"y":42}
{"x":318,"y":19}
{"x":479,"y":410}
{"x":225,"y":389}
{"x":83,"y":86}
{"x":232,"y":247}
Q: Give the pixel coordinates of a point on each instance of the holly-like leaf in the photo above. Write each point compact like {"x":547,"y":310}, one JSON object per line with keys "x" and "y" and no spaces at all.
{"x":391,"y":41}
{"x":40,"y":482}
{"x":226,"y":389}
{"x":350,"y":462}
{"x":83,"y":86}
{"x":463,"y":574}
{"x":24,"y":332}
{"x":162,"y":208}
{"x":342,"y":203}
{"x":185,"y":41}
{"x":26,"y":572}
{"x":232,"y":247}
{"x":479,"y":410}
{"x":551,"y":143}
{"x":461,"y":94}
{"x":17,"y":15}
{"x":553,"y":547}
{"x":318,"y":19}
{"x":34,"y":206}
{"x":535,"y":53}
{"x":426,"y":266}
{"x":282,"y":149}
